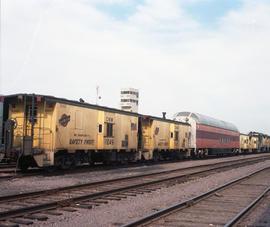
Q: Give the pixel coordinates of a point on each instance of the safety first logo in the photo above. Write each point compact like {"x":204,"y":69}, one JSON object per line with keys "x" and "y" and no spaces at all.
{"x":64,"y":120}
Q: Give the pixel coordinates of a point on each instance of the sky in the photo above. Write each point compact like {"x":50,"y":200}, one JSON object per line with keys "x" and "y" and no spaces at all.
{"x":207,"y":56}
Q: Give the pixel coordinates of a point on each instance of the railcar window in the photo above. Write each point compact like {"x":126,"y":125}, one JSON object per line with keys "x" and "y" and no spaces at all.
{"x":100,"y":128}
{"x":109,"y":131}
{"x":183,"y":143}
{"x":171,"y":134}
{"x":176,"y":136}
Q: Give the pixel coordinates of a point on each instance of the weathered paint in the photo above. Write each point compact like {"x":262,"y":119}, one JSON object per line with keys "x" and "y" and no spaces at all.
{"x":184,"y":137}
{"x":253,"y":143}
{"x":172,"y":136}
{"x":100,"y":135}
{"x":244,"y":143}
{"x":61,"y":126}
{"x":265,"y":143}
{"x":162,"y":138}
{"x":76,"y":128}
{"x":159,"y":135}
{"x":44,"y":128}
{"x":147,"y":134}
{"x":69,"y":127}
{"x":125,"y":132}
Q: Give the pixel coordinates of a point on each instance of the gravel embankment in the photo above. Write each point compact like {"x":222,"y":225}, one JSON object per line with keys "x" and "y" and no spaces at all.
{"x":22,"y":185}
{"x":116,"y":213}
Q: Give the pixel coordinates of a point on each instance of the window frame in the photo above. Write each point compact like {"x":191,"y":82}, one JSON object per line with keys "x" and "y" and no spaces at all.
{"x":176,"y":136}
{"x":109,"y":130}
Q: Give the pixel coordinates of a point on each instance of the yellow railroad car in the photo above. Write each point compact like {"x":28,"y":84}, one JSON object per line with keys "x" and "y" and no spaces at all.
{"x":164,"y":138}
{"x":244,"y":143}
{"x":264,"y":143}
{"x":268,"y":143}
{"x":259,"y":142}
{"x":46,"y":131}
{"x":253,"y":143}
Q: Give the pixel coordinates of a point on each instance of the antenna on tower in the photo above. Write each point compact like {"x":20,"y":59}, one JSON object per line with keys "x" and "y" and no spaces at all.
{"x":97,"y":97}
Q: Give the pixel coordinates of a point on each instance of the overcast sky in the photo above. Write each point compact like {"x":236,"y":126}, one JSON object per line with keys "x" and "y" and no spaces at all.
{"x":206,"y":56}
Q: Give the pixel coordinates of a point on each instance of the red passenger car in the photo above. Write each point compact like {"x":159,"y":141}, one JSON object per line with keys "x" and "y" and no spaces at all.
{"x":210,"y":136}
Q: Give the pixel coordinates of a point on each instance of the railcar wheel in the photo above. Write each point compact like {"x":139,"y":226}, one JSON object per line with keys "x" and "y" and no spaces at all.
{"x":65,"y":162}
{"x":24,"y":167}
{"x":50,"y":169}
{"x":193,"y":155}
{"x":23,"y":164}
{"x":90,"y":158}
{"x":91,"y":162}
{"x":156,"y":156}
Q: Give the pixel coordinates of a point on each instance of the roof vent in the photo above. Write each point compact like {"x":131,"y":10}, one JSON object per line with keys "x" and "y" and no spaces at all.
{"x":164,"y":115}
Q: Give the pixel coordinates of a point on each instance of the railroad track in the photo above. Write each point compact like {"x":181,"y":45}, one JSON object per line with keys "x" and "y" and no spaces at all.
{"x":7,"y":166}
{"x":263,"y":220}
{"x":9,"y":172}
{"x":222,"y":206}
{"x":32,"y":205}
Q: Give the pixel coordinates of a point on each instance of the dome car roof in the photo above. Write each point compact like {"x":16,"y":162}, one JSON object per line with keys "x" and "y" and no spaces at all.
{"x":205,"y":120}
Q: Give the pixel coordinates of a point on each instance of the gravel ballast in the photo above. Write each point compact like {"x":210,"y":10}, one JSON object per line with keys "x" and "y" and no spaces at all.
{"x":116,"y":213}
{"x":23,"y":185}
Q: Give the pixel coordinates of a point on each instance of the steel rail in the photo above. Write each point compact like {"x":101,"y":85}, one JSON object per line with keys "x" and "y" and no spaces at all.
{"x":79,"y":169}
{"x":12,"y":174}
{"x":67,"y":188}
{"x":7,"y":166}
{"x":246,"y":209}
{"x":84,"y":168}
{"x":189,"y":202}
